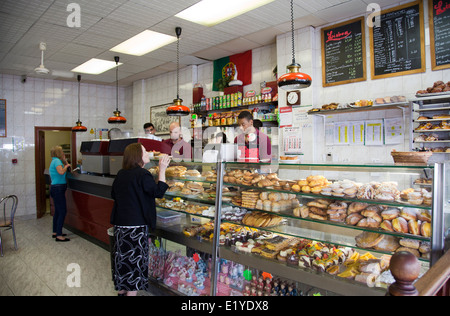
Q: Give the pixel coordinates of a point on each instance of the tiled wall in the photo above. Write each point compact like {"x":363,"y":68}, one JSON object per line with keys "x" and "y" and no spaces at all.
{"x":45,"y":102}
{"x":308,"y":54}
{"x":158,"y":90}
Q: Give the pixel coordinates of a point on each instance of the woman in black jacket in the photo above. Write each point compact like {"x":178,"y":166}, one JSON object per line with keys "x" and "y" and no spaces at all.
{"x":134,"y":191}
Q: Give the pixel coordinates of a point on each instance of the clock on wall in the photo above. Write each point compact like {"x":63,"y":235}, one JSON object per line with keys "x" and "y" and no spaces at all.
{"x":294,"y":98}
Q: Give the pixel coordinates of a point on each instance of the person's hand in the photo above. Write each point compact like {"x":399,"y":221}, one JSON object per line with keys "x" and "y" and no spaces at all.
{"x":164,"y":162}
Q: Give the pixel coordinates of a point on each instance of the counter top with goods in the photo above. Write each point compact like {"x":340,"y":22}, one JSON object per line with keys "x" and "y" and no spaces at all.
{"x":340,"y":222}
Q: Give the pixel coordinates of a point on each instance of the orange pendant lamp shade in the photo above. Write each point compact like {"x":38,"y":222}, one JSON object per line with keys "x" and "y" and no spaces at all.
{"x":117,"y":118}
{"x":294,"y":79}
{"x":177,"y":109}
{"x":79,"y":128}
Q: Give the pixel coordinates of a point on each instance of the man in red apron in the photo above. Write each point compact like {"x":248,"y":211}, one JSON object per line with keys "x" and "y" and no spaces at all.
{"x":175,"y":145}
{"x":253,"y":145}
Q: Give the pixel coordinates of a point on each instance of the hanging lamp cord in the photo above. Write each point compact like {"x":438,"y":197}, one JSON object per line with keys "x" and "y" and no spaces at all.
{"x":117,"y":84}
{"x":292,"y":29}
{"x":178,"y":67}
{"x":79,"y":98}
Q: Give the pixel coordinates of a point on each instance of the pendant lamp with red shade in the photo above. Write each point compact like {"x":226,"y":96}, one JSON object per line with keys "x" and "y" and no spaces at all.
{"x":294,"y":79}
{"x":117,"y":118}
{"x":177,"y":109}
{"x":79,"y":128}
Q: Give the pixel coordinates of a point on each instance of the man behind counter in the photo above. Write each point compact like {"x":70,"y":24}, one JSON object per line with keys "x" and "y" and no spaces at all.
{"x":256,"y":144}
{"x":175,"y":145}
{"x":149,"y":129}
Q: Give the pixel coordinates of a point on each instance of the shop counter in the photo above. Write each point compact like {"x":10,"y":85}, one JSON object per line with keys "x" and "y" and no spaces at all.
{"x":89,"y":206}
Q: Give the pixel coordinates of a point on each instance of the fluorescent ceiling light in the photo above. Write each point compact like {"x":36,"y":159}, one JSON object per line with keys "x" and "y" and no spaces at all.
{"x":144,"y":43}
{"x":213,"y":12}
{"x":95,"y":66}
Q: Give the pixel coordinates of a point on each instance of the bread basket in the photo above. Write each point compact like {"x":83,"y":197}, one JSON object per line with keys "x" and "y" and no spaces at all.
{"x":411,"y":158}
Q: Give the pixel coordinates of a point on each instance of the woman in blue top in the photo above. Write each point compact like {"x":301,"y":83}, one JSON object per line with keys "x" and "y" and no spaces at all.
{"x":58,"y":169}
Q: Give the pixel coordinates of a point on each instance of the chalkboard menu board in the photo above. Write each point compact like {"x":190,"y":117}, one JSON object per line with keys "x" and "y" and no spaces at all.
{"x":398,"y":43}
{"x":344,"y":53}
{"x":439,"y":13}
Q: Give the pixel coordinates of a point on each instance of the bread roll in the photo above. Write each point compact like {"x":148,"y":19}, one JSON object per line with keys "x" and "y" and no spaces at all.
{"x":425,"y":229}
{"x":387,"y":225}
{"x":390,"y":214}
{"x":409,"y":214}
{"x":400,"y":225}
{"x":368,"y":239}
{"x":274,"y":197}
{"x":318,"y":204}
{"x":424,"y":216}
{"x":356,"y":207}
{"x":338,"y":206}
{"x":353,"y":219}
{"x":368,"y":223}
{"x":388,"y":243}
{"x":413,"y":227}
{"x":410,"y":243}
{"x":373,"y":215}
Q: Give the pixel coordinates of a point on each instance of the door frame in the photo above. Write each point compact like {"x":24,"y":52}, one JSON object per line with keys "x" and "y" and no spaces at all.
{"x":39,"y":158}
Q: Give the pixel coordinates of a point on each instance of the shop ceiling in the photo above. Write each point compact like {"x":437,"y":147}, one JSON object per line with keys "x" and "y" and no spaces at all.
{"x":106,"y":23}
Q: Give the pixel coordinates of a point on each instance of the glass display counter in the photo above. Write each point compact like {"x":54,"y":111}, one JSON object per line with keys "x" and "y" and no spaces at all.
{"x":327,"y":229}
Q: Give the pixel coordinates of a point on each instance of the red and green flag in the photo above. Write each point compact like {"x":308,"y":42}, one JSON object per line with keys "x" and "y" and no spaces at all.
{"x":224,"y":70}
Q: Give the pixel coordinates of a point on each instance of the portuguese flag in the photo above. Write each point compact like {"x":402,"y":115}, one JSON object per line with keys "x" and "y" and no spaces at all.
{"x":224,"y":70}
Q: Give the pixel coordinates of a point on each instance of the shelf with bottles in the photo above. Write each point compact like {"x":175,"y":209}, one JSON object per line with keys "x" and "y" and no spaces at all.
{"x":268,"y":117}
{"x":200,"y":110}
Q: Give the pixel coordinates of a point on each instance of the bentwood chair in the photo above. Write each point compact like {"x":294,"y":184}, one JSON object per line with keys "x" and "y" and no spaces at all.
{"x":8,"y":203}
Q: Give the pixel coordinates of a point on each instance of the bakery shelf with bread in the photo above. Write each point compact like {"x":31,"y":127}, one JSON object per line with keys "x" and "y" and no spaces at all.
{"x":386,"y":193}
{"x":297,"y":256}
{"x":431,"y":122}
{"x":315,"y":219}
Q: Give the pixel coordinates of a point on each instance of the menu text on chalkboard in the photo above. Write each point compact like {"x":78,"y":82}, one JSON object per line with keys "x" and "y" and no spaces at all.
{"x":344,"y":53}
{"x":439,"y":14}
{"x":397,"y":44}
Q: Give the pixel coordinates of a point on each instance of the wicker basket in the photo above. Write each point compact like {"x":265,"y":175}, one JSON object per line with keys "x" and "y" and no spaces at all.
{"x":417,"y":158}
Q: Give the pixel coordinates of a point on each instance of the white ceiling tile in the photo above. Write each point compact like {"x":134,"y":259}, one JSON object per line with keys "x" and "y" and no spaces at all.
{"x":25,"y":8}
{"x":264,"y":37}
{"x":239,"y":45}
{"x":138,"y":14}
{"x":213,"y":53}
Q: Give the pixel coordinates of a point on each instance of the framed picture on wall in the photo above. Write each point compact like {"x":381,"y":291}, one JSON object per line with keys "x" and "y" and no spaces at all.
{"x":2,"y":118}
{"x":161,"y":120}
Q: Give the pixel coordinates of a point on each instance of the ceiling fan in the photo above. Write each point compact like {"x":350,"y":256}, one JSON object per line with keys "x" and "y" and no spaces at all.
{"x":43,"y":71}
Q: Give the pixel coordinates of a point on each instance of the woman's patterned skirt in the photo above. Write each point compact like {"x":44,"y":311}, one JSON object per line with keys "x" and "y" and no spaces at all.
{"x":131,"y":258}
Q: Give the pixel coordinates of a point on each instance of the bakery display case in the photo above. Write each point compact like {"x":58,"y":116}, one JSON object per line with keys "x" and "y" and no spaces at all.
{"x":327,"y":227}
{"x":431,"y":124}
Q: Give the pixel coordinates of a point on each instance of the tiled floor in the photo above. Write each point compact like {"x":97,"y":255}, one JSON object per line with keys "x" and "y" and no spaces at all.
{"x":40,"y":266}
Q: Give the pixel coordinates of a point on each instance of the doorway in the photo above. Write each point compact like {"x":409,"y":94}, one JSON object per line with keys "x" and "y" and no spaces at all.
{"x":45,"y":139}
